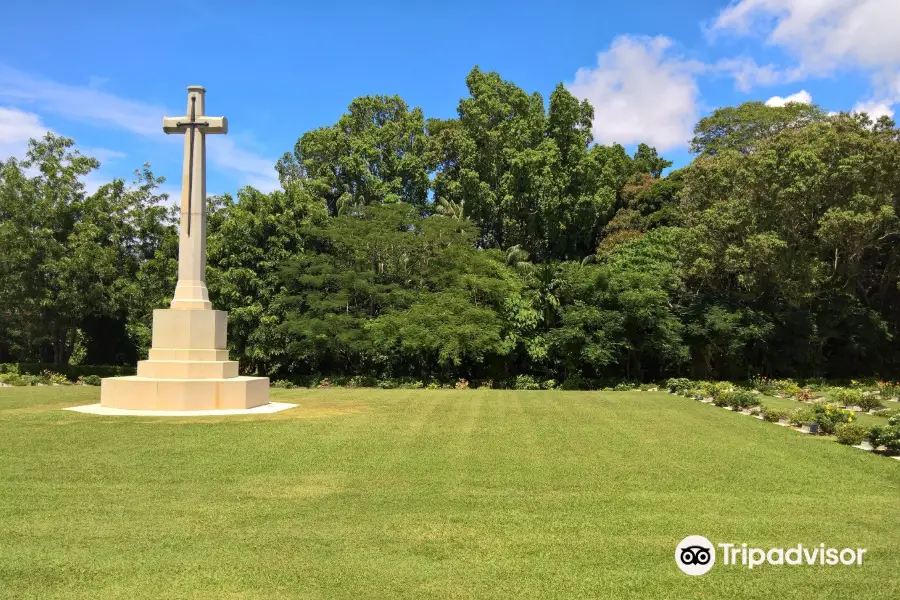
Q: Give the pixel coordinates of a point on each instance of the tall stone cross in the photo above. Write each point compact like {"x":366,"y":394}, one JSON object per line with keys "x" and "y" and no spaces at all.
{"x":191,"y":292}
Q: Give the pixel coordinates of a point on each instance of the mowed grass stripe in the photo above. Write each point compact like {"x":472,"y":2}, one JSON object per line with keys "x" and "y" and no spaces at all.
{"x":428,"y":494}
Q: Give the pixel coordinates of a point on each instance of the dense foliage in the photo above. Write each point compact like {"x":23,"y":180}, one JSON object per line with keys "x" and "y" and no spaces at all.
{"x":496,"y":245}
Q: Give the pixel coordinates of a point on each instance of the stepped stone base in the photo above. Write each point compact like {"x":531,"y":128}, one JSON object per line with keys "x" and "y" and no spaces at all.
{"x":188,"y":369}
{"x":145,"y":393}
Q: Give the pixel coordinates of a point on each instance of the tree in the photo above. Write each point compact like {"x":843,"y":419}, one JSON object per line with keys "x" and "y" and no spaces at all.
{"x":369,"y":277}
{"x":777,"y":239}
{"x":373,"y":154}
{"x":741,"y":128}
{"x":646,"y":160}
{"x":526,"y":177}
{"x":67,"y":256}
{"x":250,"y":238}
{"x":644,"y":287}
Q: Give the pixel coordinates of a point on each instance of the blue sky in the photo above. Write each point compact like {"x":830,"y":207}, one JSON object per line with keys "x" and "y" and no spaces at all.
{"x":105,"y":73}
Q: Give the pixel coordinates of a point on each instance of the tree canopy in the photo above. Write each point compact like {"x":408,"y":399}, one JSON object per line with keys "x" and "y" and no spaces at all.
{"x":499,"y":243}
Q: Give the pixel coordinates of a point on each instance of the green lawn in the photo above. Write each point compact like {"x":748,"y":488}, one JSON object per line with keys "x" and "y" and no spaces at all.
{"x":429,"y":494}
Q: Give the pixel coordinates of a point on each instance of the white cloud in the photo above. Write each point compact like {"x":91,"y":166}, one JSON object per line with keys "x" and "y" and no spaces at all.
{"x":90,"y":104}
{"x":16,"y":128}
{"x":823,"y":35}
{"x":747,"y":74}
{"x":874,"y":109}
{"x":641,"y":92}
{"x":85,"y":104}
{"x":801,"y":97}
{"x":257,"y":171}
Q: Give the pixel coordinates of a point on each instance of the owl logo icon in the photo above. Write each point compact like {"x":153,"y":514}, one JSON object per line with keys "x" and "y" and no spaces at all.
{"x":695,"y":555}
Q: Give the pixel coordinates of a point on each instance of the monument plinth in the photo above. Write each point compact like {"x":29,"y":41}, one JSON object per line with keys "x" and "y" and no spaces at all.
{"x":188,"y":367}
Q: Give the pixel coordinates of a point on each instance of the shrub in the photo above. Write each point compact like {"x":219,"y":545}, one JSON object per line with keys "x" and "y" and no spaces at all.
{"x":774,"y":415}
{"x":867,"y":383}
{"x":412,"y":384}
{"x":433,"y":385}
{"x":889,"y":389}
{"x":71,"y":372}
{"x":550,"y":384}
{"x":283,"y":384}
{"x":387,"y":384}
{"x":20,"y":380}
{"x":576,"y":382}
{"x":762,"y":384}
{"x":738,"y":399}
{"x":845,"y":396}
{"x":625,"y":386}
{"x":804,"y":395}
{"x":527,"y":382}
{"x":773,"y":387}
{"x":786,"y":387}
{"x":462,"y":384}
{"x":851,"y":434}
{"x":324,"y":383}
{"x":826,"y":416}
{"x":803,"y":416}
{"x":676,"y":385}
{"x":362,"y":381}
{"x":721,"y":400}
{"x":91,"y":380}
{"x":869,"y":402}
{"x":718,"y":389}
{"x":830,"y":417}
{"x":12,"y":379}
{"x":55,"y":378}
{"x":887,"y":436}
{"x":816,"y":384}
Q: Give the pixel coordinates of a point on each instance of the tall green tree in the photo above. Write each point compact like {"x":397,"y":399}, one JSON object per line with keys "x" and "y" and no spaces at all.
{"x":391,"y":291}
{"x":250,"y":238}
{"x":781,"y":238}
{"x":68,"y":256}
{"x":742,"y":128}
{"x":527,"y":177}
{"x":374,"y":154}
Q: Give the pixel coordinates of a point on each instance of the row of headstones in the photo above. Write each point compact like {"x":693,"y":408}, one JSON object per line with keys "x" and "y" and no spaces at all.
{"x":811,"y":428}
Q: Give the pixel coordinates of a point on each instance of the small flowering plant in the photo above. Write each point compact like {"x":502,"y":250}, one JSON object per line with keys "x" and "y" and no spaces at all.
{"x":829,"y":417}
{"x":826,"y":416}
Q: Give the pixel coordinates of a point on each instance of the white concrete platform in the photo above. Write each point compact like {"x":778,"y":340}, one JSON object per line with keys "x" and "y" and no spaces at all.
{"x":97,"y":409}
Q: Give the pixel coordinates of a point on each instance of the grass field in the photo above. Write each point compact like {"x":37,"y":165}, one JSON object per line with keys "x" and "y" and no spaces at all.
{"x":429,"y":494}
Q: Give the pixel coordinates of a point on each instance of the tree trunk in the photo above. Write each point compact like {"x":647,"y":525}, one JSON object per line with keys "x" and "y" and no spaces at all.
{"x":62,"y":346}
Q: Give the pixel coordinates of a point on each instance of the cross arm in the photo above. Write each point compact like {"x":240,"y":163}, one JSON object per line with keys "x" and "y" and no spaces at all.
{"x":203,"y":123}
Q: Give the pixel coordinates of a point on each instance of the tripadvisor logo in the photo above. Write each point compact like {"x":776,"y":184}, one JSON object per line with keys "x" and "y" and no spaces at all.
{"x":696,"y":555}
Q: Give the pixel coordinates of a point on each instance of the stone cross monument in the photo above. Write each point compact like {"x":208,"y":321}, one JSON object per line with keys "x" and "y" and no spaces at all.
{"x":190,"y":292}
{"x":188,"y":366}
